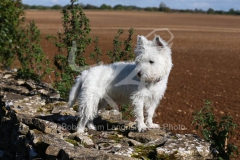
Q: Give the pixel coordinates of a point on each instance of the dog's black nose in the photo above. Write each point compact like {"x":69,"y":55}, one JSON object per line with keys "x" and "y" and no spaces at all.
{"x":139,"y":74}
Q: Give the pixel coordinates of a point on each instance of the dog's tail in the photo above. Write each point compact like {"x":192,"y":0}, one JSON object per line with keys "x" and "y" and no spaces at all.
{"x":75,"y":90}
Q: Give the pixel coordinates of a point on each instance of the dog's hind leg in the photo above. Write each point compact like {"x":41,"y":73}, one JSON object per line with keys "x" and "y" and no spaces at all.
{"x":81,"y":124}
{"x":90,"y":125}
{"x":88,"y":110}
{"x":75,"y":90}
{"x":101,"y":106}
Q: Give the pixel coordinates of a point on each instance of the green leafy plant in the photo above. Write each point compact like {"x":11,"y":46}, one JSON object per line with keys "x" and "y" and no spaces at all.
{"x":21,"y":41}
{"x":216,"y":132}
{"x":96,"y":54}
{"x":11,"y":17}
{"x":76,"y":28}
{"x":119,"y":54}
{"x":34,"y":64}
{"x":127,"y":112}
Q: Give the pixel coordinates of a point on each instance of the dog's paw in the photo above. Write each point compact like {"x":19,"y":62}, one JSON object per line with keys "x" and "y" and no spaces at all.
{"x":153,"y":125}
{"x":80,"y":130}
{"x":91,"y":126}
{"x":142,"y":127}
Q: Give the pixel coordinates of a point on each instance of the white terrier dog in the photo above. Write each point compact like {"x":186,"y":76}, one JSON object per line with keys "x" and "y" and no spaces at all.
{"x":141,"y":83}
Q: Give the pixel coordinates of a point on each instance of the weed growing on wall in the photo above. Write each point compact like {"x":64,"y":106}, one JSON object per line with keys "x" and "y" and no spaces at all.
{"x":216,"y":132}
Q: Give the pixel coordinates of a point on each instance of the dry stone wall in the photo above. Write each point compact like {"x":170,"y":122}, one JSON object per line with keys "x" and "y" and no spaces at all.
{"x":37,"y":124}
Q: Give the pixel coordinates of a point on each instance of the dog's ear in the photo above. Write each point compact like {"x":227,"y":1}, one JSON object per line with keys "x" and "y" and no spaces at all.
{"x":139,"y":40}
{"x":158,"y":41}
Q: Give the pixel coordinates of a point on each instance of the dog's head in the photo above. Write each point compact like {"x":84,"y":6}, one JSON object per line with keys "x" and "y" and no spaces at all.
{"x":153,"y":59}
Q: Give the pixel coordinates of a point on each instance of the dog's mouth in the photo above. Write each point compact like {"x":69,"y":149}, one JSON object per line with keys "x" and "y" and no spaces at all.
{"x":156,"y":80}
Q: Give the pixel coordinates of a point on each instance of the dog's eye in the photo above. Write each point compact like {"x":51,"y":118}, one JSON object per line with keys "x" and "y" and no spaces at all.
{"x":151,"y":62}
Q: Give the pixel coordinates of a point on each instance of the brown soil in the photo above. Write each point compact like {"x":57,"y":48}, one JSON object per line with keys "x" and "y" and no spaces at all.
{"x":206,"y":58}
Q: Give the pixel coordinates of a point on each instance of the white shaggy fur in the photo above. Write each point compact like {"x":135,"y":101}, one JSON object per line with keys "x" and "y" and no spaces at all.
{"x":141,"y":83}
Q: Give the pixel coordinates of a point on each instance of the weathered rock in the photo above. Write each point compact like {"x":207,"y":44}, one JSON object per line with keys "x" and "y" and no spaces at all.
{"x":45,"y":126}
{"x":48,"y":142}
{"x":132,"y":142}
{"x":26,"y":119}
{"x":36,"y":124}
{"x":125,"y":151}
{"x":20,"y":82}
{"x":186,"y":147}
{"x":107,"y":118}
{"x":6,"y":76}
{"x":106,"y":146}
{"x":82,"y":138}
{"x":23,"y":129}
{"x":85,"y":153}
{"x":61,"y":108}
{"x":105,"y":137}
{"x":13,"y":88}
{"x":10,"y":84}
{"x":148,"y":136}
{"x":112,"y":115}
{"x":157,"y":142}
{"x":116,"y":147}
{"x":24,"y":104}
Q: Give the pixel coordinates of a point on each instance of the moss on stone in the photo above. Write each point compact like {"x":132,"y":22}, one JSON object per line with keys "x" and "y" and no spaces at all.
{"x":4,"y":109}
{"x":167,"y":157}
{"x":75,"y":108}
{"x":37,"y":131}
{"x":106,"y":145}
{"x":114,"y":137}
{"x":39,"y":109}
{"x":71,"y":141}
{"x":146,"y":152}
{"x":59,"y":104}
{"x":48,"y":106}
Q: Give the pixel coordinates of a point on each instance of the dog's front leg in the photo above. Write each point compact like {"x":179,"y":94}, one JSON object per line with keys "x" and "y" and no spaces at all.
{"x":150,"y":109}
{"x":139,"y":114}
